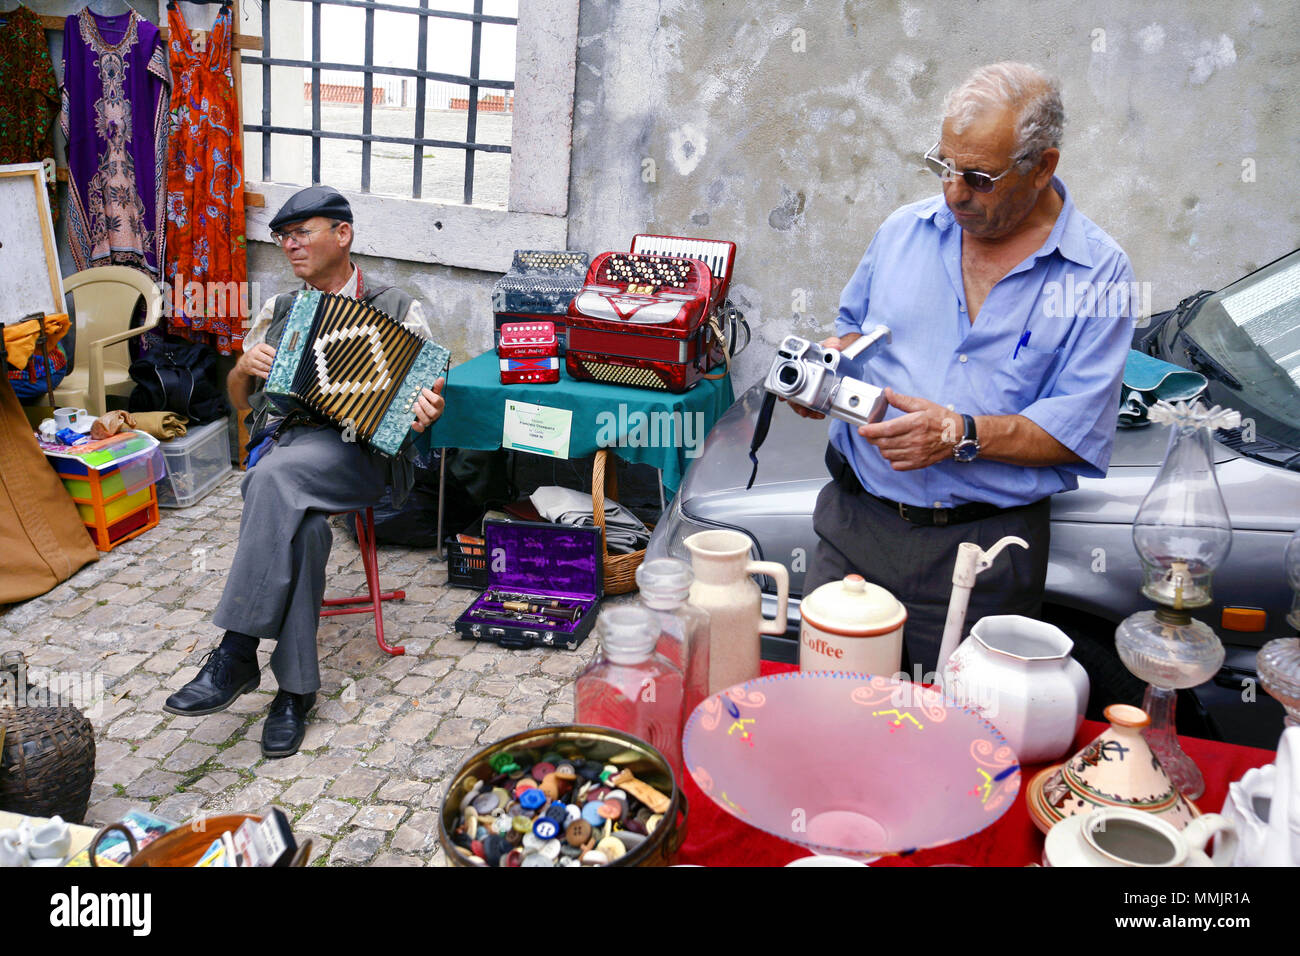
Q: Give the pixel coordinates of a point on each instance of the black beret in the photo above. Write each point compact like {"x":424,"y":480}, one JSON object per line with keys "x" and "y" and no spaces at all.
{"x":313,"y":201}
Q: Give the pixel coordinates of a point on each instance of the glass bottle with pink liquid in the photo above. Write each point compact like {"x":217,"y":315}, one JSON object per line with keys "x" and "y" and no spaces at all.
{"x":631,"y":687}
{"x":665,"y":585}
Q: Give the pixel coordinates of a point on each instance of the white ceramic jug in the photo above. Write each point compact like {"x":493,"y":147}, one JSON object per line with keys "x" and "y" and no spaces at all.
{"x":1122,"y":836}
{"x":1019,"y":674}
{"x":724,"y":588}
{"x":1265,"y":806}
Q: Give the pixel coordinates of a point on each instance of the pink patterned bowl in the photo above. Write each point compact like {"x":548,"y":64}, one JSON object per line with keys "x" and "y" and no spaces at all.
{"x":849,"y":763}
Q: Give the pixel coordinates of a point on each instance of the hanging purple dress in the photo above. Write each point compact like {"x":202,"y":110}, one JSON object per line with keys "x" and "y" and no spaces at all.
{"x":115,"y":101}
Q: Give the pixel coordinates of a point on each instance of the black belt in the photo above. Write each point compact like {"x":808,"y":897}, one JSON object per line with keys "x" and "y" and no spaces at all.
{"x":843,"y":474}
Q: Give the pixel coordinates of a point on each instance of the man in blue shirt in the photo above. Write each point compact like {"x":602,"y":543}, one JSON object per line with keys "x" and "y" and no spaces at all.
{"x":1011,"y":315}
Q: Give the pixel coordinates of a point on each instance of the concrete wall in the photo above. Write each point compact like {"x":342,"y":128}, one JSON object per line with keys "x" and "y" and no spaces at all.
{"x":721,"y":119}
{"x":797,"y":145}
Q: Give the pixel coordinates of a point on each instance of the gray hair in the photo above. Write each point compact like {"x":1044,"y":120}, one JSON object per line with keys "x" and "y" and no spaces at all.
{"x":1034,"y":94}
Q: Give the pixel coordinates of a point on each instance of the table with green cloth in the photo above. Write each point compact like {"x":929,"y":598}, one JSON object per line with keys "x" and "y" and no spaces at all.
{"x":634,"y":424}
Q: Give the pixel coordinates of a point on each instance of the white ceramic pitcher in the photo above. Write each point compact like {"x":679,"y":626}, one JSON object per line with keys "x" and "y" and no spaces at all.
{"x":1265,"y":806}
{"x":724,"y":588}
{"x":1019,"y":674}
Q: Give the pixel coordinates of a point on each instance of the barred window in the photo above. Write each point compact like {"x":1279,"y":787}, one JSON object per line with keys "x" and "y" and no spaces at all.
{"x":398,"y":98}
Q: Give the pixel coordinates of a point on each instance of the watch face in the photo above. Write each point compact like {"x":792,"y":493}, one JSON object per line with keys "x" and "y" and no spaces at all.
{"x":966,"y":450}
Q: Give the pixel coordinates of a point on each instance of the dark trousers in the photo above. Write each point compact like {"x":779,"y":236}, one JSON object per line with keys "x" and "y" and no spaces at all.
{"x":857,"y":534}
{"x":277,"y":579}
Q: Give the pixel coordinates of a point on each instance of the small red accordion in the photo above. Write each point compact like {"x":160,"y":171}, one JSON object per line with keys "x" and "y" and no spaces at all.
{"x":529,"y":352}
{"x":643,"y":318}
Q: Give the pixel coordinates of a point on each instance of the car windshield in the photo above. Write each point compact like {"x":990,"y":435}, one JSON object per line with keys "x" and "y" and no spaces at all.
{"x":1251,"y":330}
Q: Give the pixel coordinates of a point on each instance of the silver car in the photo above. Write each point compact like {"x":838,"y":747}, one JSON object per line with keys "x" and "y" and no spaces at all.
{"x":1250,"y":352}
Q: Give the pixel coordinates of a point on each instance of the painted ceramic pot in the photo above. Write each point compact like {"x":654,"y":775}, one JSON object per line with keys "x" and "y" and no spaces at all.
{"x":1117,"y":769}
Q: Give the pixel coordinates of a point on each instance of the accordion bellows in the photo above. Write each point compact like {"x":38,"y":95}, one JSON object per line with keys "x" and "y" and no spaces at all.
{"x":355,"y":367}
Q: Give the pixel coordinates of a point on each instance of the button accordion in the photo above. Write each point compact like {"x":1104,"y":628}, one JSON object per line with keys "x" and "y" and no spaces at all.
{"x":528,"y":353}
{"x":651,"y":317}
{"x":353,"y":367}
{"x":539,"y":287}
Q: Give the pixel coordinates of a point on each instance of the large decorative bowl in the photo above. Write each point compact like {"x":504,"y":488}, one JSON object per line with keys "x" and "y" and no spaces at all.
{"x":850,"y":764}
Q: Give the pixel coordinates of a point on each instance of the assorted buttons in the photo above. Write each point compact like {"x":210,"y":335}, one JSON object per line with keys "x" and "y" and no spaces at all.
{"x":560,"y":810}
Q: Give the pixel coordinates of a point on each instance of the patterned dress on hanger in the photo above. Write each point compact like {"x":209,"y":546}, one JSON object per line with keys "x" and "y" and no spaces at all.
{"x":115,"y":85}
{"x":205,"y":189}
{"x":29,"y":93}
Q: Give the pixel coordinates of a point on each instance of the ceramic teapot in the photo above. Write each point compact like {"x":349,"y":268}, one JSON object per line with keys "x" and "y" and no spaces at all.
{"x":1122,"y":836}
{"x":1265,"y":806}
{"x":1018,"y":673}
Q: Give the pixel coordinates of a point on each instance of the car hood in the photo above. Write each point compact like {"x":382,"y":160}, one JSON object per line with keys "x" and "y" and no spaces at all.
{"x":791,"y":468}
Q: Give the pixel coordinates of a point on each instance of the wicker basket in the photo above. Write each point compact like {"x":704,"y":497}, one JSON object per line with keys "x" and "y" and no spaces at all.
{"x":620,"y":569}
{"x":48,"y":762}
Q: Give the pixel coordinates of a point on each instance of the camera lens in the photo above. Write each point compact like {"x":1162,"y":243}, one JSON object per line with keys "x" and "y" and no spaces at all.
{"x":789,"y":376}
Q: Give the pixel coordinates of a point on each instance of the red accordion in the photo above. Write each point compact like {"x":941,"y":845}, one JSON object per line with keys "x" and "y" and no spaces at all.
{"x":529,"y":352}
{"x":643,"y":318}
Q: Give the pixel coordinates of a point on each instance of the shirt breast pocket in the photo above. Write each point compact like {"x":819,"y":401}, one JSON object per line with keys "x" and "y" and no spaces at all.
{"x":1017,"y":382}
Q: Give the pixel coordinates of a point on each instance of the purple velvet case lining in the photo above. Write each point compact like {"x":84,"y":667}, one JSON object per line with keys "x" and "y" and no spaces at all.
{"x":549,"y":560}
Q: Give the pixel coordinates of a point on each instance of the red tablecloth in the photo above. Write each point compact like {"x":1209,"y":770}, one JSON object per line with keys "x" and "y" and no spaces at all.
{"x":716,"y":838}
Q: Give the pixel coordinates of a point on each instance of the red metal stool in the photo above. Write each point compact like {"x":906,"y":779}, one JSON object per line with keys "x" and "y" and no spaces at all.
{"x":372,"y":602}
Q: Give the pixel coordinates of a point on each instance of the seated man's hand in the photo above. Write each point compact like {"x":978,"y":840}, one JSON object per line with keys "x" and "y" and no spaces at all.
{"x":428,"y":407}
{"x":832,"y":343}
{"x":256,"y":361}
{"x":918,"y":439}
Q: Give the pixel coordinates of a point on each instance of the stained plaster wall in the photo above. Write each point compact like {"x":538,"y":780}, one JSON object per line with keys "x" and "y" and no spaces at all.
{"x":720,"y":119}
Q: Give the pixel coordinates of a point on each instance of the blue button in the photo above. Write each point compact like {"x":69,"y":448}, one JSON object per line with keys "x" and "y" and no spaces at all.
{"x":546,"y":828}
{"x":532,"y":798}
{"x":591,"y":813}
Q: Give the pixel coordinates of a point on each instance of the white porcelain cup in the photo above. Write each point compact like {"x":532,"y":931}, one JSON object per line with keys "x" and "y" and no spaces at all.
{"x":69,"y":417}
{"x":12,"y":851}
{"x":50,"y":840}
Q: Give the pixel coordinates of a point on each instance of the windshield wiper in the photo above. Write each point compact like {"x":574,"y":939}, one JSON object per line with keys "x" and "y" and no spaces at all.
{"x":1202,"y":362}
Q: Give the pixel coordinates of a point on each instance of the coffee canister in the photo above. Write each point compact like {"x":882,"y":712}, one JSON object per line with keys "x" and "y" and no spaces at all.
{"x":851,"y":625}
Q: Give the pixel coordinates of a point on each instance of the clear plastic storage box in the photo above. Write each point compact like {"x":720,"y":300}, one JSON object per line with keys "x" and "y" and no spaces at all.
{"x":196,"y":463}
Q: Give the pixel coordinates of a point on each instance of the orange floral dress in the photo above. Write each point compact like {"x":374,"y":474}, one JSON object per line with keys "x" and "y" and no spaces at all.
{"x":207,"y":265}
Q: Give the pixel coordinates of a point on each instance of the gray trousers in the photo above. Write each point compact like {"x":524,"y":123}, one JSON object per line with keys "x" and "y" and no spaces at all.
{"x":858,"y":534}
{"x":277,"y":581}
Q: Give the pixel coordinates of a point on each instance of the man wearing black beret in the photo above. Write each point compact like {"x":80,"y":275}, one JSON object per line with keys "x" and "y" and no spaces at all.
{"x":298,"y":475}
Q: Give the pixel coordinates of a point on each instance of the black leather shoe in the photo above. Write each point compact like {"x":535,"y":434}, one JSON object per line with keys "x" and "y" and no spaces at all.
{"x":221,"y":679}
{"x":286,"y":724}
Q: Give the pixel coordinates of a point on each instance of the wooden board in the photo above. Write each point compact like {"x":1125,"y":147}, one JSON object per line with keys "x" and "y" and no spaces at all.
{"x":30,"y":279}
{"x":241,"y":41}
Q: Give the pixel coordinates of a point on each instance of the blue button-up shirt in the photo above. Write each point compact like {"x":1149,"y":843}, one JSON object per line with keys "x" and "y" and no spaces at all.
{"x":1049,"y":343}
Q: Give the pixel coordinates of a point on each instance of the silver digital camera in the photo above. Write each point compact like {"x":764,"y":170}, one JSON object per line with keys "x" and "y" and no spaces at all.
{"x":807,"y":374}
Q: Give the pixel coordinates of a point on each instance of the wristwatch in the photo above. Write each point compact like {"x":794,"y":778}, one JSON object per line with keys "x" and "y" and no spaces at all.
{"x":968,"y":447}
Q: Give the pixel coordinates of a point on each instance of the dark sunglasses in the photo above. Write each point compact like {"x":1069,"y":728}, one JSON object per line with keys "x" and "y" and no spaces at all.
{"x":977,"y":181}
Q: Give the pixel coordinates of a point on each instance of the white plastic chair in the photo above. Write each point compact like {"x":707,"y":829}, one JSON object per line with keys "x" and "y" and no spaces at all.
{"x":105,"y":298}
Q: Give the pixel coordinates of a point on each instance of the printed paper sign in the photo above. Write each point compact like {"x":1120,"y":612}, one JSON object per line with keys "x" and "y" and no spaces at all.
{"x":537,"y":429}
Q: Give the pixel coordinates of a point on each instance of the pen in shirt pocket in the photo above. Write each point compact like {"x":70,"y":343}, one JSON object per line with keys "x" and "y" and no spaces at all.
{"x":1024,"y":340}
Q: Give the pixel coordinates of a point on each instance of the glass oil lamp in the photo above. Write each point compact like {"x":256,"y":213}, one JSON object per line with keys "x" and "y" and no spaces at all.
{"x":1278,"y":662}
{"x":1182,"y":534}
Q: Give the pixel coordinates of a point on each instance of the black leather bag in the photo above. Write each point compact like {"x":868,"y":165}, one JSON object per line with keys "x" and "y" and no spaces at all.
{"x":178,"y":378}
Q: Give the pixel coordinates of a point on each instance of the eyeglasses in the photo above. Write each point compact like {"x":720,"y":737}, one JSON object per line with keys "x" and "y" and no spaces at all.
{"x":299,"y":236}
{"x":977,"y":181}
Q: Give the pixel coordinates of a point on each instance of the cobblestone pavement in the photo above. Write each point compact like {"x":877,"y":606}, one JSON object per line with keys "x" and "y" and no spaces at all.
{"x":387,"y":732}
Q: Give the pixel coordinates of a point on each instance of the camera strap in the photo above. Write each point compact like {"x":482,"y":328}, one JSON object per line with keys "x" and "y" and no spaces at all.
{"x":761,"y":425}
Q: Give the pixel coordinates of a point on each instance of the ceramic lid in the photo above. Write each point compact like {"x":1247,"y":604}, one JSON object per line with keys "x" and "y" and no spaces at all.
{"x":853,"y":606}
